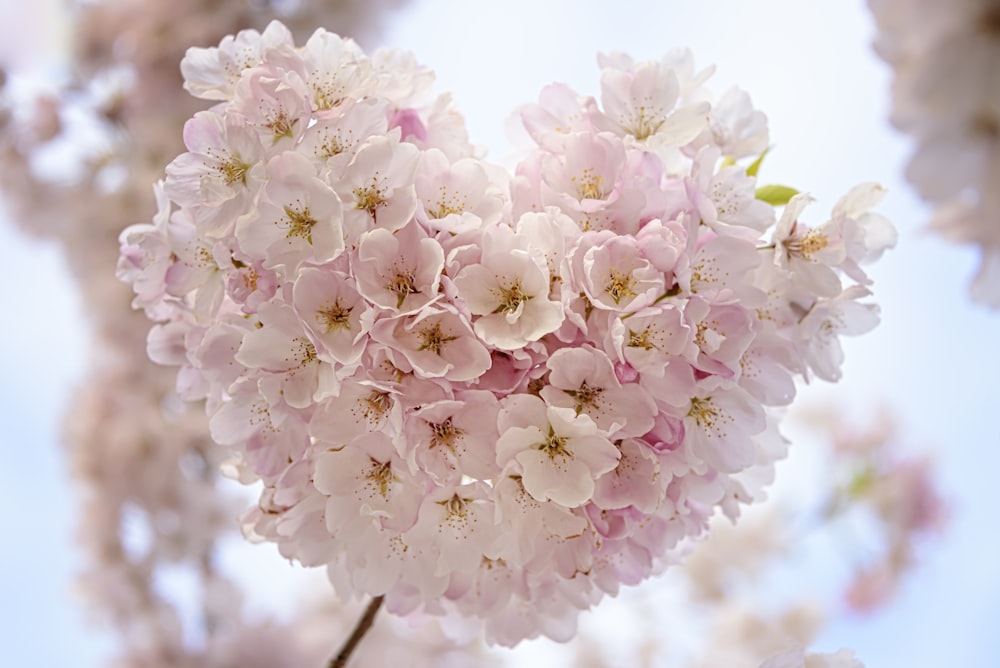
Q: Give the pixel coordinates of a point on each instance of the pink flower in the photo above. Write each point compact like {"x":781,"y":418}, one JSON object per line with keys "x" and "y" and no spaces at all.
{"x":360,"y":407}
{"x":652,"y":338}
{"x":276,"y":102}
{"x":437,"y":342}
{"x":583,"y":379}
{"x":279,"y":347}
{"x":640,"y":101}
{"x":560,"y":112}
{"x":220,"y":171}
{"x":456,"y":197}
{"x":298,"y":218}
{"x":718,"y":427}
{"x":333,"y":312}
{"x":452,"y":439}
{"x":399,"y":272}
{"x":509,"y":291}
{"x":828,"y":319}
{"x":613,"y":273}
{"x":334,"y":139}
{"x":377,"y":187}
{"x":636,"y":481}
{"x":597,"y":183}
{"x":213,"y":73}
{"x":558,"y":454}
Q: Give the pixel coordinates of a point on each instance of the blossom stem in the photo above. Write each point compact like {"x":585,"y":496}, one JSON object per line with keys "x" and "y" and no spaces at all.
{"x":360,"y":629}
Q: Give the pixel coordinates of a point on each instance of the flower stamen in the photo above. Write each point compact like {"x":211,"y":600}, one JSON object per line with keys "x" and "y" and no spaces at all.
{"x":335,"y":316}
{"x":433,"y":339}
{"x":511,"y":298}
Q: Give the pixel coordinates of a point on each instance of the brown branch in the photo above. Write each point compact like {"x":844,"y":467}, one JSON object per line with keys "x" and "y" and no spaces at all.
{"x":365,"y":623}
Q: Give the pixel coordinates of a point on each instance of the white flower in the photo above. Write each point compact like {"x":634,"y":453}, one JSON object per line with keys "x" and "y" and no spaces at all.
{"x":333,"y":312}
{"x":642,"y":101}
{"x":377,"y":187}
{"x":827,"y":320}
{"x":509,"y":291}
{"x":220,"y":173}
{"x":399,"y":272}
{"x":213,"y":73}
{"x":298,"y":217}
{"x":557,"y":453}
{"x":583,"y":379}
{"x":437,"y":342}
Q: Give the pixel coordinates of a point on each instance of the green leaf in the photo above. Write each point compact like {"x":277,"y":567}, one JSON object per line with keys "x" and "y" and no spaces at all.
{"x":755,"y":165}
{"x":776,"y":195}
{"x":727,"y":161}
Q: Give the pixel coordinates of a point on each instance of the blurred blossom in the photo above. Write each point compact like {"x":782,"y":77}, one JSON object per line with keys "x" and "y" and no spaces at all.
{"x":944,"y":57}
{"x":875,"y":474}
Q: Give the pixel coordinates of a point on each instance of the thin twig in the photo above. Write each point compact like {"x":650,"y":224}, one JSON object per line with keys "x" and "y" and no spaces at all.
{"x":365,"y":623}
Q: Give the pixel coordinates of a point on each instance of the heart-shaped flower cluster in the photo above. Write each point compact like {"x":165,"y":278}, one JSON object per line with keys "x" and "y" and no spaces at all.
{"x":483,"y":395}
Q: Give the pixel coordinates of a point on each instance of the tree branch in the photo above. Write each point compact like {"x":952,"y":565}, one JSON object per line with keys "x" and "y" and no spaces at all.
{"x":365,"y":623}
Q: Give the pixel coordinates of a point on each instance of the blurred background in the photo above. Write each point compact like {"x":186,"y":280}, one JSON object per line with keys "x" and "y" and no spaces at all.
{"x":932,"y":365}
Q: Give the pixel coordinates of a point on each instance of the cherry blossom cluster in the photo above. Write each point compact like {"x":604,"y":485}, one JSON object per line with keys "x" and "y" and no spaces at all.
{"x":75,"y":166}
{"x":944,"y":57}
{"x":483,"y":395}
{"x":744,"y":589}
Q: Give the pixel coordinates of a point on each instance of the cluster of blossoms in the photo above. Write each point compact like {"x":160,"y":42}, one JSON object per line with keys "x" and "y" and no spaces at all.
{"x":757,"y":606}
{"x":153,"y":508}
{"x":944,"y":57}
{"x":482,"y":395}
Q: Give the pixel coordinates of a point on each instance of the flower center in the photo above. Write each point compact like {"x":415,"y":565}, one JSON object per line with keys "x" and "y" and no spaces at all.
{"x":303,"y":351}
{"x":805,"y":247}
{"x":335,"y":316}
{"x":814,"y":243}
{"x":586,"y":397}
{"x":374,"y":406}
{"x":380,"y":476}
{"x":644,"y":122}
{"x":511,"y":298}
{"x":455,"y":506}
{"x":281,"y":125}
{"x":555,"y":446}
{"x":444,"y":433}
{"x":327,"y":92}
{"x":704,"y":412}
{"x":620,"y":285}
{"x":402,"y":284}
{"x":370,"y":198}
{"x":300,"y":223}
{"x":250,"y":278}
{"x":433,"y":339}
{"x":330,"y":147}
{"x":232,"y":169}
{"x":643,"y":339}
{"x":590,"y":185}
{"x":447,"y":204}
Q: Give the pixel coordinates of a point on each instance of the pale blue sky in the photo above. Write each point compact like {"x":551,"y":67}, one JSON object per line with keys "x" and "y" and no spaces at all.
{"x":810,"y":67}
